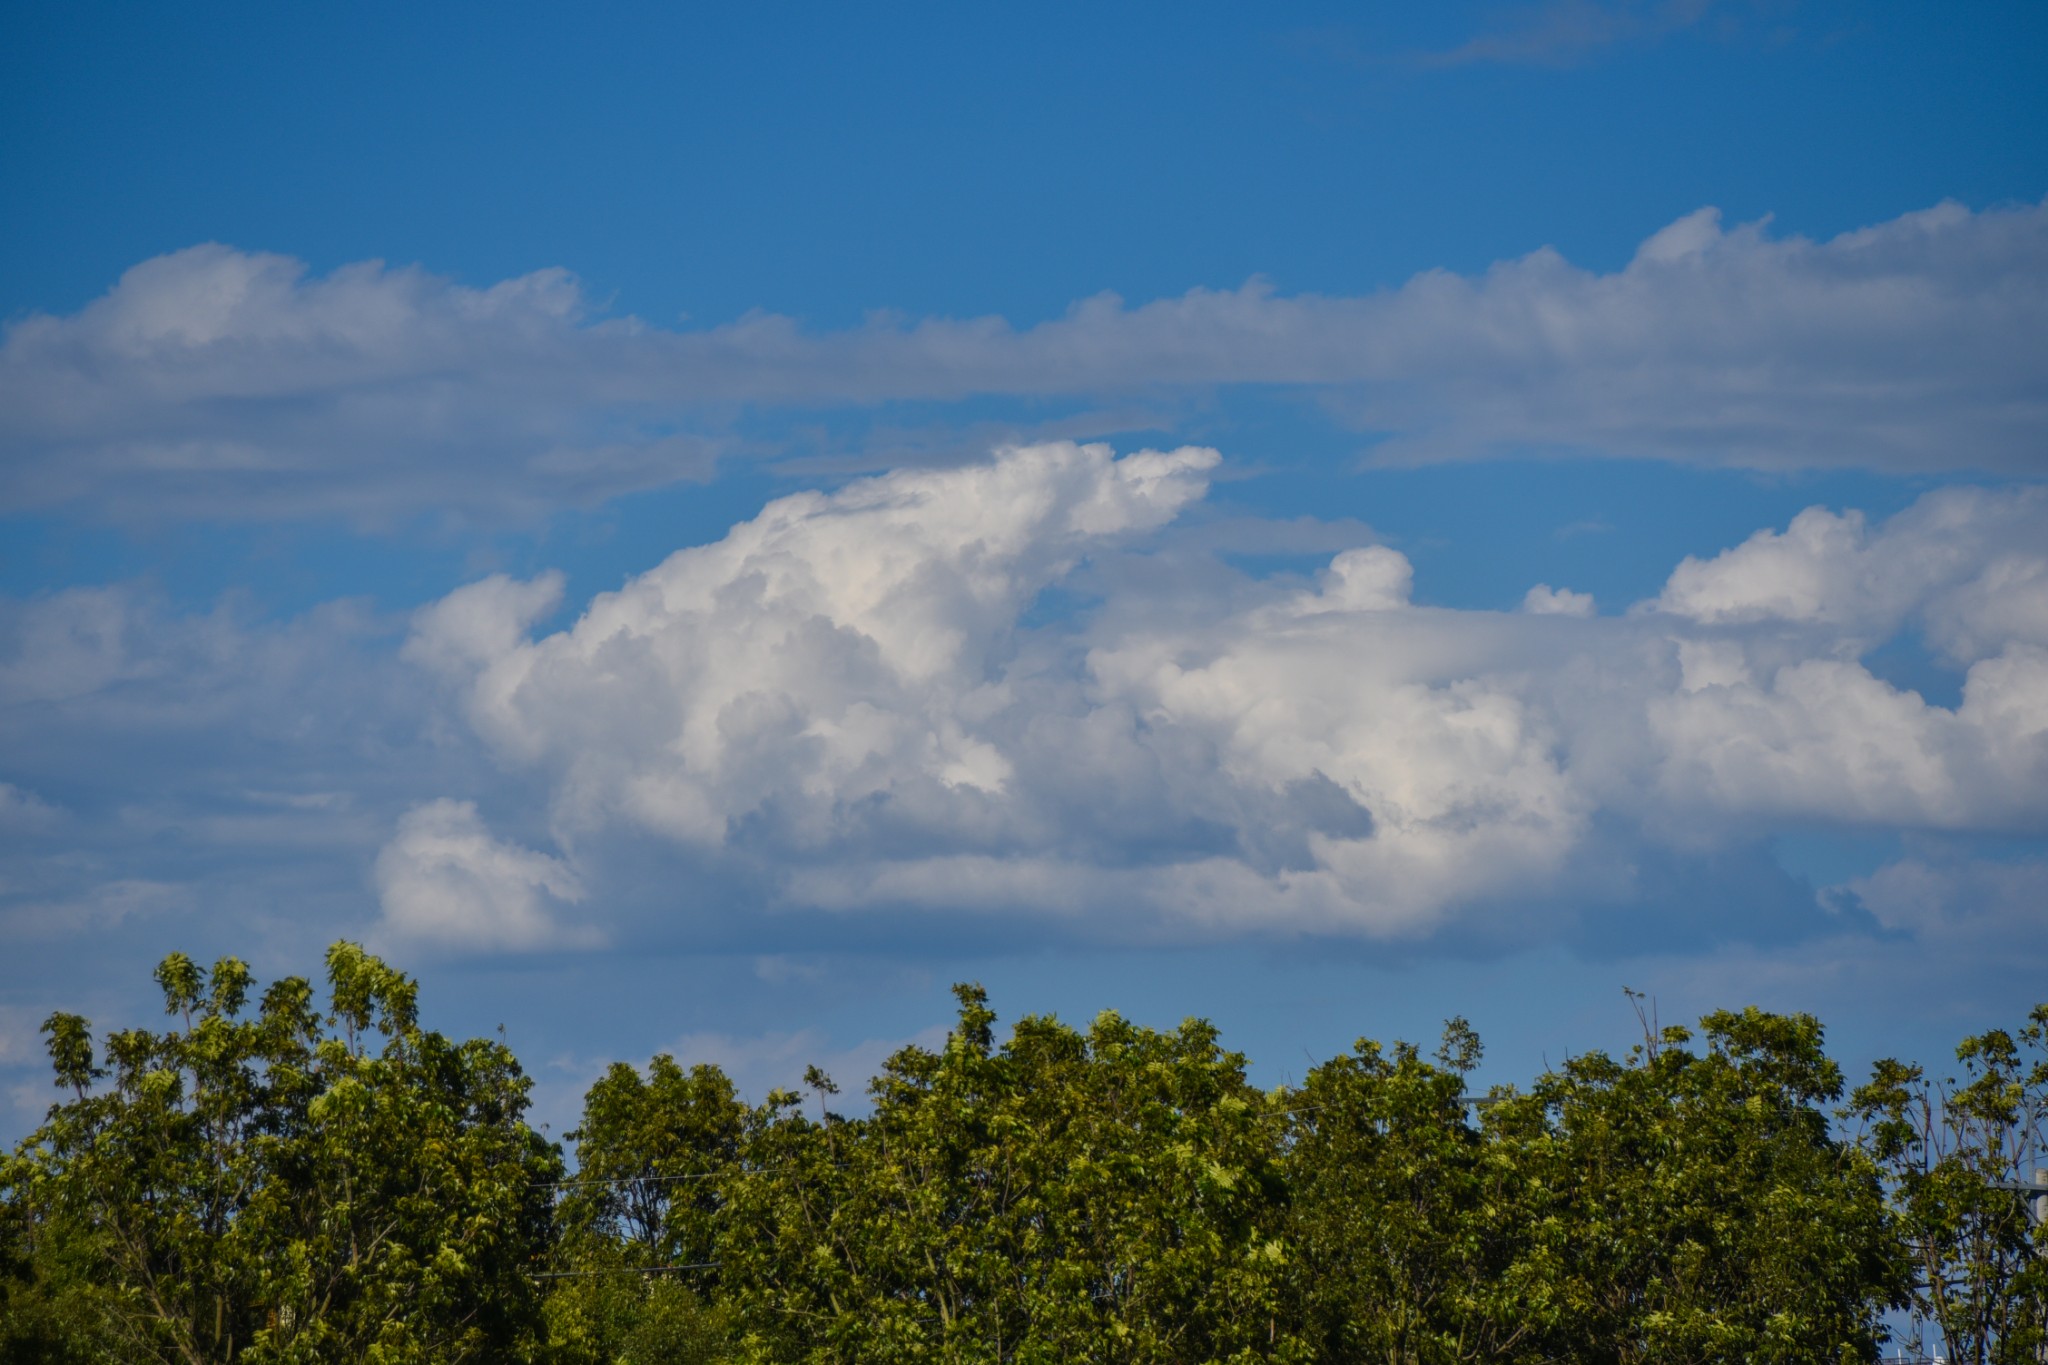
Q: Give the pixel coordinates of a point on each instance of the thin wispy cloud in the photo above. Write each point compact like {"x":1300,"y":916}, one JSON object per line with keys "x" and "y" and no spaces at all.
{"x":1566,"y":32}
{"x":217,"y":384}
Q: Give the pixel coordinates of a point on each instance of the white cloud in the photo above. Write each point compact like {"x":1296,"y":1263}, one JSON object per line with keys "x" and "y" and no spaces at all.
{"x":1373,"y":578}
{"x":1459,"y":774}
{"x":1824,"y":738}
{"x":850,"y":703}
{"x":216,"y":383}
{"x":1544,"y":600}
{"x":1776,"y":715}
{"x":444,"y":879}
{"x":1968,"y":565}
{"x":478,"y":622}
{"x":840,"y":694}
{"x":831,"y":651}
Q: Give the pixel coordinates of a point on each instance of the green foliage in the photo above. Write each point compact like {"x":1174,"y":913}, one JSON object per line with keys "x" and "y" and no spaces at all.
{"x":1951,"y":1150}
{"x":639,"y":1222}
{"x":1403,"y":1219}
{"x":597,"y":1317}
{"x":1682,"y":1206}
{"x":1671,"y":1206}
{"x":653,"y":1159}
{"x":50,"y":1311}
{"x":261,"y":1189}
{"x":295,"y":1184}
{"x":1101,"y":1196}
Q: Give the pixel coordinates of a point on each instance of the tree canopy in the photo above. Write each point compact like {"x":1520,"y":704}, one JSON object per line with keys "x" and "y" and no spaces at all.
{"x":326,"y":1181}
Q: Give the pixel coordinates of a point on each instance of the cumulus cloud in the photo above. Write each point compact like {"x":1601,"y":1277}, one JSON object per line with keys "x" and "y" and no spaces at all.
{"x":444,"y":879}
{"x":480,"y":622}
{"x":836,"y":650}
{"x":1823,"y":738}
{"x":219,"y":383}
{"x":1544,"y":600}
{"x":844,"y":695}
{"x":1965,"y":565}
{"x":857,"y":701}
{"x":1775,"y":713}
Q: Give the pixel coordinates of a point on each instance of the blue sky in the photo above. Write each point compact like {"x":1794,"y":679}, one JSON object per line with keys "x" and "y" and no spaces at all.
{"x":1594,"y":536}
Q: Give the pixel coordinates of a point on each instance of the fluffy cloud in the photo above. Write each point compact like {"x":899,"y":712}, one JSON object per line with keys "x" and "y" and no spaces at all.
{"x":1964,"y":565}
{"x":832,"y":652}
{"x":1544,"y":600}
{"x":844,"y":694}
{"x":214,"y":382}
{"x":1774,"y":713}
{"x":444,"y":879}
{"x":1824,"y":739}
{"x":865,"y":699}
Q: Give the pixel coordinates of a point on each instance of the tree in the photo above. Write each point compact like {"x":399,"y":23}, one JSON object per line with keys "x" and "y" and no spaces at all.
{"x":617,"y":1316}
{"x":51,"y":1313}
{"x":296,"y":1184}
{"x":292,"y":1186}
{"x":640,"y":1222}
{"x":1953,"y":1151}
{"x":652,"y":1159}
{"x":1103,"y":1196}
{"x":1685,"y":1207}
{"x":1404,"y":1221}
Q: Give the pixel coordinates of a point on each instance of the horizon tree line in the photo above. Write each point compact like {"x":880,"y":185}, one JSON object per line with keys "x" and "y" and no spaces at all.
{"x":282,"y":1182}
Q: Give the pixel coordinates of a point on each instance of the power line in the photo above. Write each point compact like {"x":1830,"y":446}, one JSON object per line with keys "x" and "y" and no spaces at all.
{"x":624,"y":1180}
{"x":620,"y":1270}
{"x":701,"y":1175}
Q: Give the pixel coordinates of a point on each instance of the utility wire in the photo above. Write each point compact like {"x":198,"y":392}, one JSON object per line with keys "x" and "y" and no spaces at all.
{"x":663,"y":1179}
{"x":620,"y":1270}
{"x":623,"y":1180}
